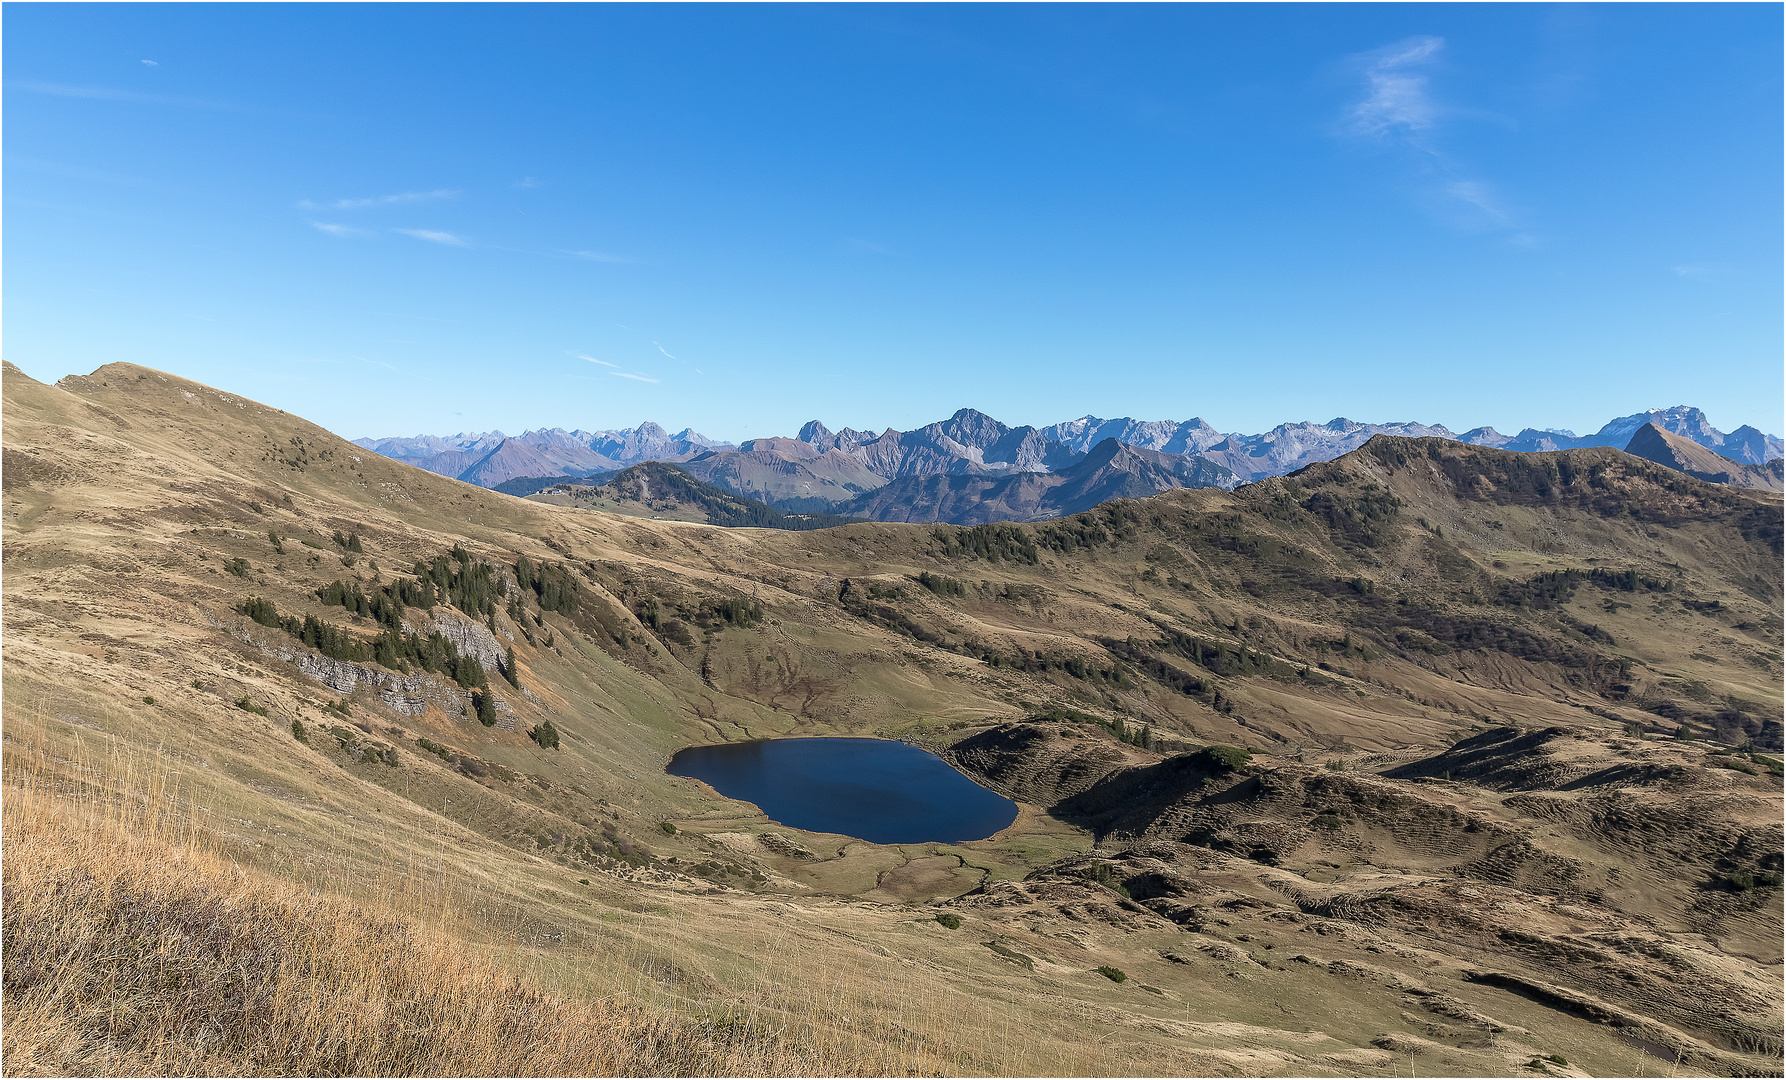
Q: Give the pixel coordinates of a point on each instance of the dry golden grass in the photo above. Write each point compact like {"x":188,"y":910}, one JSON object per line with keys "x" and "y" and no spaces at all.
{"x":132,"y":950}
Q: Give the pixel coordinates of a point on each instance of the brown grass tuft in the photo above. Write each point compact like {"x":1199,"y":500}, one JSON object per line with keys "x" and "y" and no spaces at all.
{"x":132,"y":955}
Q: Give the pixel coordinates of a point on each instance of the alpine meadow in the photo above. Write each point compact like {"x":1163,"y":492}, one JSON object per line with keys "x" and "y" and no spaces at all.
{"x":692,"y":732}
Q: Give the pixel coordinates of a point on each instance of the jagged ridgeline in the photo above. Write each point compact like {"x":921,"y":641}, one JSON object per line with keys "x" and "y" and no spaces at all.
{"x":656,"y":487}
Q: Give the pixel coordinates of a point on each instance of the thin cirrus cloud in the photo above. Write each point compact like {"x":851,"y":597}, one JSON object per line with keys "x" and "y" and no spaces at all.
{"x":666,"y":352}
{"x":380,"y":200}
{"x":107,"y":93}
{"x":598,"y":256}
{"x":630,"y":375}
{"x":593,"y":360}
{"x":1398,"y":110}
{"x":433,"y":236}
{"x":337,"y":230}
{"x":1396,"y":101}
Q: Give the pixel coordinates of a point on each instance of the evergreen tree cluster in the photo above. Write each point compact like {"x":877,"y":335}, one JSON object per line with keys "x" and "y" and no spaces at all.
{"x":1554,"y":587}
{"x":990,"y":542}
{"x":1223,"y":659}
{"x":348,"y":542}
{"x":391,"y":648}
{"x":941,"y":585}
{"x":384,"y":605}
{"x":468,"y":584}
{"x":554,"y":586}
{"x":1141,"y":736}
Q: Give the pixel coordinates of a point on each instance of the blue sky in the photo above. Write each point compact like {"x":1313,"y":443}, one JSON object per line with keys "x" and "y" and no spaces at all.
{"x":412,"y":218}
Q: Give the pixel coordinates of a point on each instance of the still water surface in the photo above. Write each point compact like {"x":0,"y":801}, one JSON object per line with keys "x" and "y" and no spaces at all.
{"x":880,"y":791}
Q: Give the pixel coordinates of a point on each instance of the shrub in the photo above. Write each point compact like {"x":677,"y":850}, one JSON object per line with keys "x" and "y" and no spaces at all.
{"x":148,"y":700}
{"x":669,"y":827}
{"x":949,"y":921}
{"x":248,"y":706}
{"x":238,"y":566}
{"x":547,"y":736}
{"x":1103,"y":875}
{"x":1113,"y":974}
{"x":439,"y":751}
{"x":1223,"y":759}
{"x":298,"y":732}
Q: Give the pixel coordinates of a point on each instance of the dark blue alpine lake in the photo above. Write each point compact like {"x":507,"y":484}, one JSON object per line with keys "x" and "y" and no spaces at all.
{"x":880,"y":791}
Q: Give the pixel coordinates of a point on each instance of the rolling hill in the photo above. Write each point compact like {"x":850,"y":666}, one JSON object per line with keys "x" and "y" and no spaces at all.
{"x":1431,"y":756}
{"x":660,"y":490}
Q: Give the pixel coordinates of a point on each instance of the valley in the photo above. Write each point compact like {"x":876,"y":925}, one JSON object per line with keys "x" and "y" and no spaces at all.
{"x":1433,"y":757}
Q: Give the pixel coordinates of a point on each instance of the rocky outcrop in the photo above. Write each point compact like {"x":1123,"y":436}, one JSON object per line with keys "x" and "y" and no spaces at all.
{"x":408,"y":695}
{"x":470,"y":638}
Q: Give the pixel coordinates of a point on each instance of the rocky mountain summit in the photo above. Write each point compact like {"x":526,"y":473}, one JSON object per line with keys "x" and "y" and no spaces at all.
{"x":972,"y":468}
{"x":1666,"y":448}
{"x":490,"y":458}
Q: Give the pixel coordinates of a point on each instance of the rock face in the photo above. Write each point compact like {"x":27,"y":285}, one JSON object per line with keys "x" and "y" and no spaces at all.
{"x":972,"y":469}
{"x":491,"y":458}
{"x":410,"y":695}
{"x":1666,"y":448}
{"x":1113,"y":470}
{"x":470,"y":638}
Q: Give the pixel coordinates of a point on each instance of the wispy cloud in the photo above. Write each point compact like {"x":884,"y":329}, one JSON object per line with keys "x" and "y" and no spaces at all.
{"x":526,"y":182}
{"x":1396,"y":98}
{"x":1398,"y":110}
{"x":337,"y":230}
{"x":1481,"y":197}
{"x":666,"y":352}
{"x":380,"y":200}
{"x":630,"y":375}
{"x":432,"y":236}
{"x":151,"y":63}
{"x":593,"y":360}
{"x":598,"y":256}
{"x":108,"y":93}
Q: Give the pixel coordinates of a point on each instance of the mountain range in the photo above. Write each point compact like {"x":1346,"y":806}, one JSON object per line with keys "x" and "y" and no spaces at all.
{"x":971,"y":467}
{"x":1666,"y":448}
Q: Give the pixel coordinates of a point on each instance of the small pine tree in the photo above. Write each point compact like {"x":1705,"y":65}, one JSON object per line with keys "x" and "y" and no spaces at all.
{"x":486,"y":708}
{"x":298,"y":732}
{"x":546,"y":735}
{"x":509,"y":672}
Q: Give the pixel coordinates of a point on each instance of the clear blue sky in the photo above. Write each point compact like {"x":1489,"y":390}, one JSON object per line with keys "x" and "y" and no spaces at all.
{"x":410,"y":218}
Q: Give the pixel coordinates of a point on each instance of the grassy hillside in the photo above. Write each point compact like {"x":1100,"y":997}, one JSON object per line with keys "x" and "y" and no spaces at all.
{"x":1352,"y":624}
{"x":657,"y":489}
